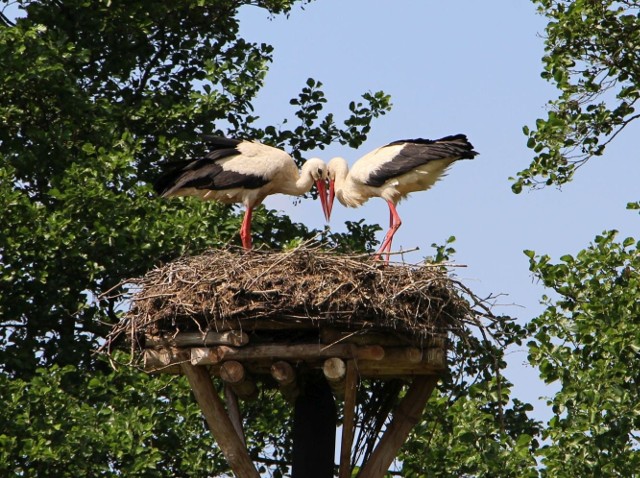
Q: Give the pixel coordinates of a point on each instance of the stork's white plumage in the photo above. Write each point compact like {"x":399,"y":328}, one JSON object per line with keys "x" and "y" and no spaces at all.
{"x":392,"y":172}
{"x":237,"y":171}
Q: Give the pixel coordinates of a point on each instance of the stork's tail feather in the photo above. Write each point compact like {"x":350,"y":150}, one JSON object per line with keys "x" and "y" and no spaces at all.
{"x":459,"y":145}
{"x":166,"y":181}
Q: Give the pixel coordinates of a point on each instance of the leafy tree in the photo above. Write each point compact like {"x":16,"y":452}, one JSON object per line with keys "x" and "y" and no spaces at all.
{"x":469,"y":435}
{"x":62,"y":423}
{"x":588,"y":339}
{"x":592,"y":57}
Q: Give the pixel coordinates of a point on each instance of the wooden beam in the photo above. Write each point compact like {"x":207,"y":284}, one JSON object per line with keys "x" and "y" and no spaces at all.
{"x":436,"y":357}
{"x":410,"y":355}
{"x":330,"y":335}
{"x":373,"y":360}
{"x":165,"y":360}
{"x":214,"y":355}
{"x":348,"y":423}
{"x":234,"y":374}
{"x":335,"y":371}
{"x":403,"y":362}
{"x":235,"y":338}
{"x":285,"y":375}
{"x":219,"y":423}
{"x":405,"y":417}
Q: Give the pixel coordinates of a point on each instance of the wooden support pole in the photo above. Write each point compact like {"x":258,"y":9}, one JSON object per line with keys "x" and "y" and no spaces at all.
{"x":234,"y":411}
{"x":349,"y":413}
{"x":234,"y":374}
{"x":335,"y":371}
{"x":219,"y":423}
{"x":214,"y":355}
{"x":405,"y":417}
{"x":285,"y":375}
{"x":314,"y":430}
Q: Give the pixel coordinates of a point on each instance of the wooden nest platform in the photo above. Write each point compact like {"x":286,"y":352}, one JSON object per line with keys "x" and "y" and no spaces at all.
{"x":290,"y":320}
{"x":301,"y":304}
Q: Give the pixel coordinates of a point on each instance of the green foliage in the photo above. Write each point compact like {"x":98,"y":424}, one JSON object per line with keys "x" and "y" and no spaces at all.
{"x":444,"y":252}
{"x":314,"y":132}
{"x":65,"y":423}
{"x":462,"y":436}
{"x":359,"y":238}
{"x":588,"y":342}
{"x":473,"y":427}
{"x":591,"y":56}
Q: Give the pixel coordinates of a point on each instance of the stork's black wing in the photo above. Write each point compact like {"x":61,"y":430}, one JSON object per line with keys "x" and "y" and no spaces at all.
{"x":417,"y":152}
{"x":206,"y":172}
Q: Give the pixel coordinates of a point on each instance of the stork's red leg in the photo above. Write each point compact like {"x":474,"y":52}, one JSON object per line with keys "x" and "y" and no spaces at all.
{"x":245,"y":230}
{"x":396,"y":222}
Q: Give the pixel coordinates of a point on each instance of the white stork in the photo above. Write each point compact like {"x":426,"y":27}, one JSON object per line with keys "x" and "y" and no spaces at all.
{"x":392,"y":172}
{"x":238,"y":171}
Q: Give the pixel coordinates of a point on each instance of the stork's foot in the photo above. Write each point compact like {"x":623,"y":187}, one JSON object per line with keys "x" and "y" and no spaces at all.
{"x":378,"y":256}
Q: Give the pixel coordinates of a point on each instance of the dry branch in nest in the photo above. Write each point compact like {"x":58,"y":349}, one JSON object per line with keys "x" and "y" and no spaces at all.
{"x":297,"y":289}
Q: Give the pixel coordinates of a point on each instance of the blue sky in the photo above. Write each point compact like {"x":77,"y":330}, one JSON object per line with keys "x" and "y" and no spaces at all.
{"x":451,"y":67}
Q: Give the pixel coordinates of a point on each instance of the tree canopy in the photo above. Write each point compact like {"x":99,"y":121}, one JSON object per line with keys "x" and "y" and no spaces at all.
{"x":591,"y":55}
{"x":587,"y":341}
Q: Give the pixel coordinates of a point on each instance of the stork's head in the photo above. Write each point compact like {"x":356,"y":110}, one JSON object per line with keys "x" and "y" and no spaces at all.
{"x":318,"y":171}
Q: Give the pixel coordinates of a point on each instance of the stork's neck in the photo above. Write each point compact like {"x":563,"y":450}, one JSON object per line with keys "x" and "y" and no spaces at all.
{"x":339,"y":172}
{"x":311,"y":169}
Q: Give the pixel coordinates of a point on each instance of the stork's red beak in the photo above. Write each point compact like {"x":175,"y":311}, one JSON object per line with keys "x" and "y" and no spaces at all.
{"x":332,"y":196}
{"x":322,"y":194}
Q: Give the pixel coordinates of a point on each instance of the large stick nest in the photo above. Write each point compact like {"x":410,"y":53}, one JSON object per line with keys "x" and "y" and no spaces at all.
{"x":300,"y":288}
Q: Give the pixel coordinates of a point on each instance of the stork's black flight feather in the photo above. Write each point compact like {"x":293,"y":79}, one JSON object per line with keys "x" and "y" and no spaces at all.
{"x":206,"y":172}
{"x":417,"y":152}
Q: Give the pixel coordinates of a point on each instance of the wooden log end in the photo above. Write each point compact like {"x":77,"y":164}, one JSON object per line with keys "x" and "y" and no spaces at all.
{"x":334,"y":369}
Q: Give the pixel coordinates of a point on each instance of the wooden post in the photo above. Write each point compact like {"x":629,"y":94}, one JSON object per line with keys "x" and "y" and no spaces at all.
{"x":335,"y":371}
{"x":351,"y":387}
{"x":405,"y":417}
{"x":234,"y":374}
{"x":219,"y":423}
